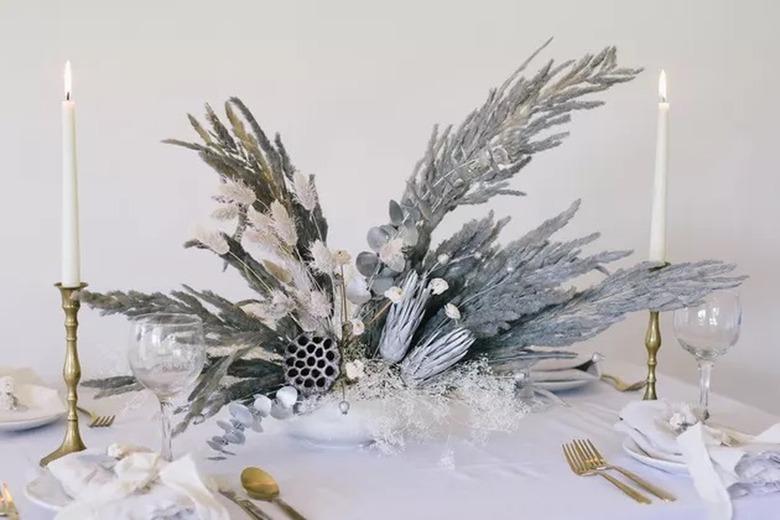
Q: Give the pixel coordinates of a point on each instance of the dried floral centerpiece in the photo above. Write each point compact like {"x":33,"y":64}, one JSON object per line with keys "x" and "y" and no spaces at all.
{"x":407,"y":317}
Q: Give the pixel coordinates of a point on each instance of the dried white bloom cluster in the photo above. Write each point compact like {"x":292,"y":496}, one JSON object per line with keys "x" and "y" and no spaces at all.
{"x":405,"y":414}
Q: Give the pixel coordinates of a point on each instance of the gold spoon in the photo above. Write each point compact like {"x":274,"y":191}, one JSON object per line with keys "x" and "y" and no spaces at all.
{"x":261,"y":486}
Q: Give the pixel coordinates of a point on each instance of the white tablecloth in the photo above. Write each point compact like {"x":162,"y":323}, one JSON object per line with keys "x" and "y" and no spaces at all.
{"x":521,"y":475}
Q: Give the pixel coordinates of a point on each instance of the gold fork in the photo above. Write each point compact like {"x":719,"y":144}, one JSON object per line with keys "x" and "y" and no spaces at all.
{"x":578,"y":466}
{"x":596,"y":461}
{"x":620,"y":385}
{"x":98,"y":421}
{"x":9,"y":507}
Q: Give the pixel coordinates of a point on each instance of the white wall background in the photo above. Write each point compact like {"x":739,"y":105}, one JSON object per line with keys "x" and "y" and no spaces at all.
{"x":354,"y":87}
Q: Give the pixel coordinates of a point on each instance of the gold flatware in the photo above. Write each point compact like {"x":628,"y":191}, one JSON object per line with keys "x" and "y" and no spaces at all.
{"x":577,"y":464}
{"x":98,"y":421}
{"x":597,"y":461}
{"x":246,"y":505}
{"x":260,"y":485}
{"x":620,"y":385}
{"x":8,"y":504}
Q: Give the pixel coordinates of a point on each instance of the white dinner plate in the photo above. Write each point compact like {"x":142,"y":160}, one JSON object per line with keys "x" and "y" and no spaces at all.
{"x":46,"y":492}
{"x":562,"y":386}
{"x":41,"y":405}
{"x":636,"y":453}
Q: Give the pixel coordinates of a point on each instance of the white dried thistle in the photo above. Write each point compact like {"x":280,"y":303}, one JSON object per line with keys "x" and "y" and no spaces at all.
{"x":214,"y":240}
{"x":283,"y":225}
{"x":237,"y":192}
{"x":305,"y":192}
{"x":318,"y":304}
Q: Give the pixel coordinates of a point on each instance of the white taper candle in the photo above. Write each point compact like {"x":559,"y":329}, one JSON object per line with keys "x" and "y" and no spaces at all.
{"x":71,"y":253}
{"x":658,"y":219}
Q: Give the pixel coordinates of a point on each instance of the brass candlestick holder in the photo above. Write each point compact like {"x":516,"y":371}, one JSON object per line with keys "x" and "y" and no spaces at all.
{"x":71,"y":372}
{"x":652,"y":344}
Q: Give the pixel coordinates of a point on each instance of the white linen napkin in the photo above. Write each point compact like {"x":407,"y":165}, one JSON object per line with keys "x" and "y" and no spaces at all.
{"x":139,"y":486}
{"x":722,"y":462}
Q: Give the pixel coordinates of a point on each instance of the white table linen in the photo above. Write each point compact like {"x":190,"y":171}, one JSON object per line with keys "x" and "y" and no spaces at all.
{"x":518,"y":475}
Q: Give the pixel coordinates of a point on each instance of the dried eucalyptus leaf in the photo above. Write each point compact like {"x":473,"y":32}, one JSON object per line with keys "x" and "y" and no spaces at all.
{"x":396,"y":213}
{"x":380,"y":285}
{"x":377,"y":237}
{"x":367,"y":263}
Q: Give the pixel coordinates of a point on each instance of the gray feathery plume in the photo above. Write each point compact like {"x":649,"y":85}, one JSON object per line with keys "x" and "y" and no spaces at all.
{"x":403,"y":318}
{"x":586,"y":313}
{"x":435,"y":354}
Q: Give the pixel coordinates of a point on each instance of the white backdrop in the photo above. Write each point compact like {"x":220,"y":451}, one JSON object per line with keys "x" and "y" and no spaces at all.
{"x":354,"y":87}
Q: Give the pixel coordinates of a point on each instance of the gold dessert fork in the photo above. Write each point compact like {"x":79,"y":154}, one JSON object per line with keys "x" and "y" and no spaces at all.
{"x":8,"y":507}
{"x":580,"y":468}
{"x":98,"y":421}
{"x":596,"y":461}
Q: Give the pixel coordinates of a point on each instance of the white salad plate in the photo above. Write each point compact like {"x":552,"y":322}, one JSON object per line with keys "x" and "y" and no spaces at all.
{"x":638,"y":454}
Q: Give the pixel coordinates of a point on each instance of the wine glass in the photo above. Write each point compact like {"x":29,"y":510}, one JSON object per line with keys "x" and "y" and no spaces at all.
{"x":707,"y":331}
{"x":166,"y":355}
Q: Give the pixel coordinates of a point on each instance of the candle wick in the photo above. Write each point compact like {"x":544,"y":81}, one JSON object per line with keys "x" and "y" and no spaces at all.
{"x":67,"y":96}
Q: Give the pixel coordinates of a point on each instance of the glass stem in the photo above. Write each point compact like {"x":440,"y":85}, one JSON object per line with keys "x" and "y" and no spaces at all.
{"x":165,"y":418}
{"x":705,"y":373}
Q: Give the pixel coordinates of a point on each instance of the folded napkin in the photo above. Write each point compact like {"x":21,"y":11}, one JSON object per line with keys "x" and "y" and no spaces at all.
{"x":134,"y":484}
{"x":722,"y":462}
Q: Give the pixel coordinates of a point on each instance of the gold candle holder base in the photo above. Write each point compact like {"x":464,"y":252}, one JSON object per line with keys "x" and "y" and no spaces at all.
{"x":652,"y":344}
{"x":71,"y":372}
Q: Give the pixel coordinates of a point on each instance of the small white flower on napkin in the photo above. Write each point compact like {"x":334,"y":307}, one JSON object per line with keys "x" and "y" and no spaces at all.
{"x":7,"y":385}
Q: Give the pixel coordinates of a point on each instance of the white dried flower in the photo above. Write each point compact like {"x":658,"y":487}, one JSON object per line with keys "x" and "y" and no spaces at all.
{"x":214,"y":240}
{"x":322,"y":259}
{"x":8,"y":402}
{"x":7,"y":385}
{"x":283,"y":224}
{"x":237,"y":192}
{"x":287,"y":396}
{"x":394,"y":294}
{"x":225,"y":212}
{"x":304,"y":191}
{"x":438,"y":286}
{"x":354,"y":370}
{"x":120,"y":451}
{"x":358,"y":327}
{"x":392,"y":254}
{"x":452,"y":311}
{"x":319,"y":304}
{"x":342,"y":257}
{"x":443,"y":259}
{"x":681,"y":417}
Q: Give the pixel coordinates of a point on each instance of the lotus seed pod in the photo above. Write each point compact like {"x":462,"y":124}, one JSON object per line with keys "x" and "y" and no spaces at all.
{"x":311,"y":364}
